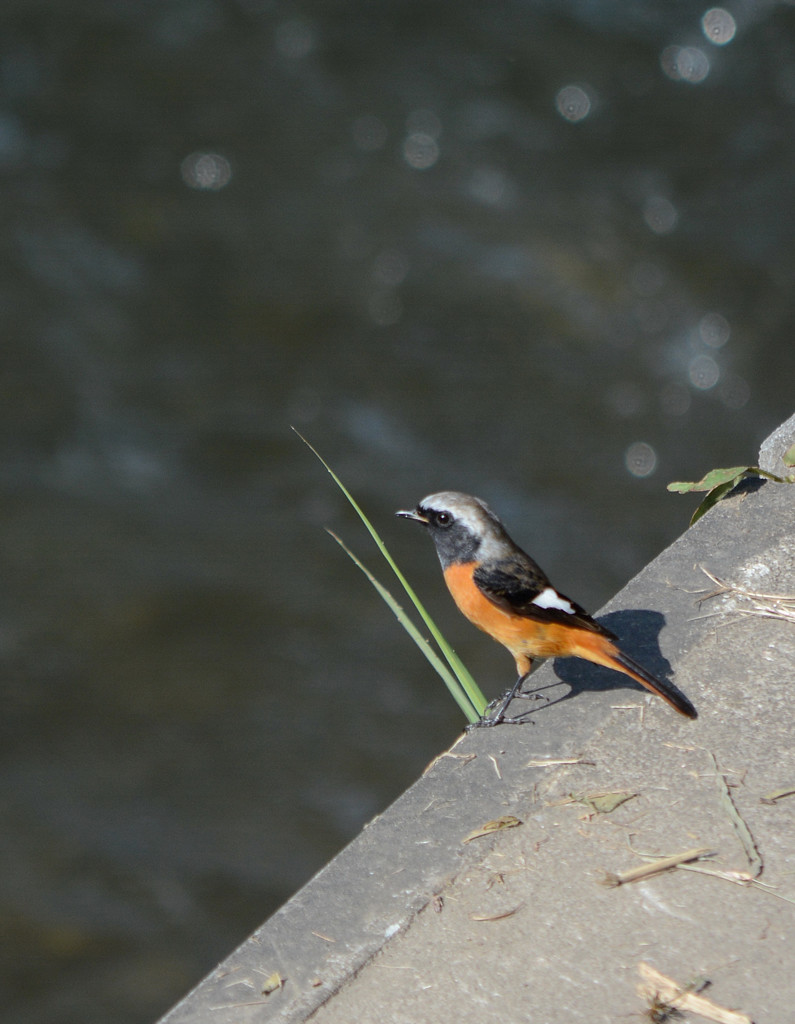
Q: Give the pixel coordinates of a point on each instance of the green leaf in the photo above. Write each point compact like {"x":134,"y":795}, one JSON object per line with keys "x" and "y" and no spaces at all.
{"x":711,"y":499}
{"x":714,"y":478}
{"x":720,"y":481}
{"x":788,"y":458}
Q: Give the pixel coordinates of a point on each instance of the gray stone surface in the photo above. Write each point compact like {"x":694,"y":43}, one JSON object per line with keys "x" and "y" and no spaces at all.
{"x":774,"y":447}
{"x":411,"y":924}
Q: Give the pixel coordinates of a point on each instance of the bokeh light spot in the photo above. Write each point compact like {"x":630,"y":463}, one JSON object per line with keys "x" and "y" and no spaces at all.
{"x":420,"y":151}
{"x":208,"y":172}
{"x":640,"y":459}
{"x":490,"y":187}
{"x":704,"y":373}
{"x":714,"y":330}
{"x":660,"y":214}
{"x":295,"y":38}
{"x":685,"y":64}
{"x":719,"y":26}
{"x":573,"y":103}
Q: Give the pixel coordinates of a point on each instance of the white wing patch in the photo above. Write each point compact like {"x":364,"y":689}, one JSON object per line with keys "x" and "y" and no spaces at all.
{"x":550,"y":598}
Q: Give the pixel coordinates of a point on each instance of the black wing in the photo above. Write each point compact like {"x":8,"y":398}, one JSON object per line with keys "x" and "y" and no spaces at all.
{"x":521,"y":587}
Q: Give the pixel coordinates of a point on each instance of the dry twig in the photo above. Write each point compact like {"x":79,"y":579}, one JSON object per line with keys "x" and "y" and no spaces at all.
{"x":655,"y":867}
{"x":773,"y":606}
{"x":678,"y":997}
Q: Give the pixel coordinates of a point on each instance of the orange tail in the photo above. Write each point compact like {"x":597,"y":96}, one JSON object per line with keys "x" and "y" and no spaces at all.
{"x":598,"y":649}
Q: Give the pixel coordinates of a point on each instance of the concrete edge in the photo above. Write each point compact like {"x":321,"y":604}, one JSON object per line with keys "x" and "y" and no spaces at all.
{"x":372,"y":890}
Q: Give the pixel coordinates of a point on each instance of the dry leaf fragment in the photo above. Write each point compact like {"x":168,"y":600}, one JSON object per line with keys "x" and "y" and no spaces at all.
{"x":496,"y":917}
{"x":274,"y":982}
{"x":504,"y":821}
{"x":658,"y":1011}
{"x":659,"y":987}
{"x":777,"y":794}
{"x":603,"y":803}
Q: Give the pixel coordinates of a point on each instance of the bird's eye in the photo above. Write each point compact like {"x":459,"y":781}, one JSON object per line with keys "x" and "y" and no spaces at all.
{"x":443,"y":519}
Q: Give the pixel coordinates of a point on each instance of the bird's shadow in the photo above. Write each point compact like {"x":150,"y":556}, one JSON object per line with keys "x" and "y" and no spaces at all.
{"x":638,"y":632}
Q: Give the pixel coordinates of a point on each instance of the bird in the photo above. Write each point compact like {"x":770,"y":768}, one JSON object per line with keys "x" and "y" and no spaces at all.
{"x":505,"y":593}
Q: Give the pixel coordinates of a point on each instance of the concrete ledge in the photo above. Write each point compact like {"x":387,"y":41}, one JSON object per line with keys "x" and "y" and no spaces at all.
{"x":523,"y":929}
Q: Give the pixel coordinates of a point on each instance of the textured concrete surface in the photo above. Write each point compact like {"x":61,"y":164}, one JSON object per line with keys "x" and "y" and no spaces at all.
{"x":412,"y":924}
{"x":774,"y":447}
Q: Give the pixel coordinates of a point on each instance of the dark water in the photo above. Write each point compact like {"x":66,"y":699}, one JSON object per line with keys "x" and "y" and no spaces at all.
{"x":542,"y":252}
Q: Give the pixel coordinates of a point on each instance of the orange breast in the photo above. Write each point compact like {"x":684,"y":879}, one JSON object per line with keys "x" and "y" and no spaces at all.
{"x":525,"y":637}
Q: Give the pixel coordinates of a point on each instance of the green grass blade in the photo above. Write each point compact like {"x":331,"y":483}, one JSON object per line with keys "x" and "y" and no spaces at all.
{"x":471,"y":688}
{"x":451,"y":682}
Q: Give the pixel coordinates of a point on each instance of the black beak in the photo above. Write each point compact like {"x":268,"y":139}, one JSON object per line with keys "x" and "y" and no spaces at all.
{"x":416,"y":515}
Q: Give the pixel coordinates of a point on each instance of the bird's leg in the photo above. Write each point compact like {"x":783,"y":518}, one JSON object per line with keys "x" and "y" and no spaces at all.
{"x":498,"y":715}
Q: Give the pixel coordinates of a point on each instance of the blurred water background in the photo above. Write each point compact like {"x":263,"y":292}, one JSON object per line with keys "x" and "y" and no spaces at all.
{"x":542,"y":252}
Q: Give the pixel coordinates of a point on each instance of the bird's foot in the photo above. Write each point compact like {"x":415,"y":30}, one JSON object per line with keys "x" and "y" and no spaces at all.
{"x":495,"y":711}
{"x":488,"y":721}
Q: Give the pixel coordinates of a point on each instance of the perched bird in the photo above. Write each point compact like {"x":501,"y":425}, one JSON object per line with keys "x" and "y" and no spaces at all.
{"x":502,"y":591}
